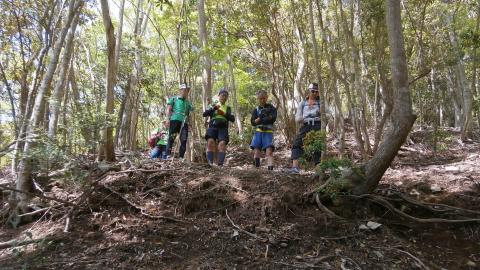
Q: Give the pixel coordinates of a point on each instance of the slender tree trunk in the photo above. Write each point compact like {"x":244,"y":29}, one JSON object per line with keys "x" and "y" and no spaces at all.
{"x":318,"y":71}
{"x":10,"y":96}
{"x":297,"y":84}
{"x":107,"y":152}
{"x":59,"y":90}
{"x":118,"y":40}
{"x":431,"y":82}
{"x":465,"y":93}
{"x":238,"y":118}
{"x":24,"y":180}
{"x":456,"y":95}
{"x":475,"y":84}
{"x":402,"y":115}
{"x":206,"y":62}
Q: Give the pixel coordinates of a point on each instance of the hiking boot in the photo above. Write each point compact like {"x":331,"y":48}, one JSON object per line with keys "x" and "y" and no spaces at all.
{"x":295,"y":170}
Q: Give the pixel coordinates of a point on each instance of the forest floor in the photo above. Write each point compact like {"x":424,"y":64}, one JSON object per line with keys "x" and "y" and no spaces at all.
{"x":143,"y":214}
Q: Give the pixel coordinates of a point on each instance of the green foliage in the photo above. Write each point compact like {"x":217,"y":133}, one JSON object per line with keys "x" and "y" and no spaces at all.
{"x":314,"y":142}
{"x":444,"y":138}
{"x":333,"y":167}
{"x":243,"y":138}
{"x":336,"y":187}
{"x":342,"y":174}
{"x":47,"y":154}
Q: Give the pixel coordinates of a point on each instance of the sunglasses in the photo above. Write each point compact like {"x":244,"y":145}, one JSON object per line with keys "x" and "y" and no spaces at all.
{"x":313,"y":91}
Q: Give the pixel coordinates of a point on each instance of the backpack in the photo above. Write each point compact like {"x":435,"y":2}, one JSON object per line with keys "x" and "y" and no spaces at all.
{"x":152,"y":141}
{"x":316,"y":103}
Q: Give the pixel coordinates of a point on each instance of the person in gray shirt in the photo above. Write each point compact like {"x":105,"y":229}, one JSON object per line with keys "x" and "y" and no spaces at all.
{"x":308,"y":113}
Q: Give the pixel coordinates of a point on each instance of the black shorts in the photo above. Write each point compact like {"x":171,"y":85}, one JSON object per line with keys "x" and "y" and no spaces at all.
{"x":218,"y":134}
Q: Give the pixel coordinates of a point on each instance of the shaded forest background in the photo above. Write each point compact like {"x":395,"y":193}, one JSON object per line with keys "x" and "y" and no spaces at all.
{"x":87,"y":77}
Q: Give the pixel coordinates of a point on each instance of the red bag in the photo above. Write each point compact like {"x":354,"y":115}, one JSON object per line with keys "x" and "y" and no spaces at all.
{"x":152,"y":141}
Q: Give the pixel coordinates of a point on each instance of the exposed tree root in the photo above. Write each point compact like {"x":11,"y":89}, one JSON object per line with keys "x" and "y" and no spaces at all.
{"x":385,"y":203}
{"x":327,"y":211}
{"x":240,"y":229}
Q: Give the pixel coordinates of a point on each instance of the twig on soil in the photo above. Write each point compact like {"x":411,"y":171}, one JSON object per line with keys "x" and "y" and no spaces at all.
{"x":35,"y":212}
{"x":408,"y":254}
{"x":35,"y":194}
{"x":19,"y":243}
{"x":325,"y":209}
{"x":240,"y":229}
{"x":346,"y":259}
{"x":413,"y":257}
{"x":301,"y":265}
{"x":143,"y":170}
{"x":140,"y":209}
{"x":239,"y":189}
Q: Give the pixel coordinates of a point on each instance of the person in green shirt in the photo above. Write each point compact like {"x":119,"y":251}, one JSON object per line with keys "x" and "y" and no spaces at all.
{"x":220,"y":114}
{"x":178,"y":111}
{"x":161,"y":137}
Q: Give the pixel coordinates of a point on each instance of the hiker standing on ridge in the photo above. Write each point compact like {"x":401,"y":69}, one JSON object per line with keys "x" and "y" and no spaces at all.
{"x":178,"y":110}
{"x":217,"y":131}
{"x":308,"y":113}
{"x":263,"y":118}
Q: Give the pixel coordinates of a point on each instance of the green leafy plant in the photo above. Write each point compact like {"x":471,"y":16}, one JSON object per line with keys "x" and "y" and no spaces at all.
{"x":242,"y":138}
{"x":333,"y":167}
{"x":313,"y":143}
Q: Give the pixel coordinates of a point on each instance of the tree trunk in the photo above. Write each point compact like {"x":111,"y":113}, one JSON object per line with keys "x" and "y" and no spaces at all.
{"x":24,"y":179}
{"x":402,"y":115}
{"x":108,"y":152}
{"x":462,"y":85}
{"x":456,"y":99}
{"x":318,"y":72}
{"x":238,"y":118}
{"x":206,"y":62}
{"x":118,"y":40}
{"x":59,"y":90}
{"x":297,"y":84}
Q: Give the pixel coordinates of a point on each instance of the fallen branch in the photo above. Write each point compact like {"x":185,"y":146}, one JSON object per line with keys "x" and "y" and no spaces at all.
{"x":301,"y":265}
{"x":240,"y":229}
{"x":140,"y":209}
{"x":35,"y":194}
{"x":413,"y":257}
{"x":18,"y":243}
{"x":35,"y":212}
{"x":143,"y":170}
{"x":408,"y":254}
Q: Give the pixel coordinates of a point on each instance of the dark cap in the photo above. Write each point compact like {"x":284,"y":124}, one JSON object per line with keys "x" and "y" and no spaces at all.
{"x":223,"y":92}
{"x":313,"y":86}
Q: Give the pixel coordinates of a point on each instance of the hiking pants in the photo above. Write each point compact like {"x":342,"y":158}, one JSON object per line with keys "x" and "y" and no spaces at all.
{"x":174,"y":130}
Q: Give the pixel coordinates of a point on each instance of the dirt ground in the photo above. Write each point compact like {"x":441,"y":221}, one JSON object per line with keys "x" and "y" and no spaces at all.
{"x":172,"y":215}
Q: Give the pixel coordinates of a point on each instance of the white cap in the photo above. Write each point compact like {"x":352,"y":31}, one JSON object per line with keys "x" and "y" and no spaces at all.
{"x":184,"y":86}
